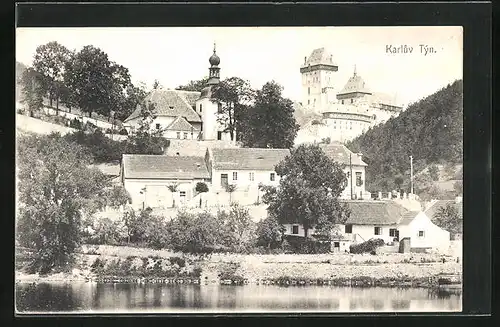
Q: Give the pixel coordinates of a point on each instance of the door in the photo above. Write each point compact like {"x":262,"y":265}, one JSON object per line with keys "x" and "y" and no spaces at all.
{"x":223,"y":180}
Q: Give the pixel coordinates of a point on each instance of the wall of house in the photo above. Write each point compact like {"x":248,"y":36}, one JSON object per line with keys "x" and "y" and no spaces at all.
{"x":157,"y":194}
{"x":181,"y":135}
{"x":362,"y":233}
{"x":358,"y":191}
{"x":434,"y":236}
{"x":301,"y":232}
{"x":243,"y":183}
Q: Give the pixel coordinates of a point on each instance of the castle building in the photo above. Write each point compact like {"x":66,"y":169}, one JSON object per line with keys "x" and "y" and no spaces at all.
{"x":343,"y":114}
{"x":185,"y":114}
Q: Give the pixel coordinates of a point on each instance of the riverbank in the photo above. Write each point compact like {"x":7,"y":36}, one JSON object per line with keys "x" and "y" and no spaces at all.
{"x":128,"y":264}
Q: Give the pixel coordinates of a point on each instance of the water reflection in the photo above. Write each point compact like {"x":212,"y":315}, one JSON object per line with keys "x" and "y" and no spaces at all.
{"x":167,"y":298}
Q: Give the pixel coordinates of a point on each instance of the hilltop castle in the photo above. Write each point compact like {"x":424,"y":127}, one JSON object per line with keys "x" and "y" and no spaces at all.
{"x":343,"y":113}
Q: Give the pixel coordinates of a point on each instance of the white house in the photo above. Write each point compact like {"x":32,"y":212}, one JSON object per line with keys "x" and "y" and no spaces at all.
{"x":147,"y":179}
{"x":385,"y":220}
{"x":245,"y":168}
{"x":354,"y":168}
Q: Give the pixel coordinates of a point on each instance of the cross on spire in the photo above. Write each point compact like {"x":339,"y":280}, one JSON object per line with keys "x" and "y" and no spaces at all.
{"x":214,"y":47}
{"x":354,"y":69}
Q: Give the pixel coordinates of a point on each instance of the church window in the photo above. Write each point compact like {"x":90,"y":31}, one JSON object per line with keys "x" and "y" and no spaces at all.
{"x":178,"y":135}
{"x":308,"y":101}
{"x":201,"y":107}
{"x":219,"y":135}
{"x":185,"y":135}
{"x":308,"y":91}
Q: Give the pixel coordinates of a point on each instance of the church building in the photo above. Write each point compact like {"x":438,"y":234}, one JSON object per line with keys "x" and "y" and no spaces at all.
{"x":185,"y":114}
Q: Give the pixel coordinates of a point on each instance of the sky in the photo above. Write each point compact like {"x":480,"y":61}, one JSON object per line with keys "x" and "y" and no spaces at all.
{"x":176,"y":55}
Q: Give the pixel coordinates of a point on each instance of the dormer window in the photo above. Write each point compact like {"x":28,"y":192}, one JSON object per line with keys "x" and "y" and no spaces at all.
{"x":171,"y":108}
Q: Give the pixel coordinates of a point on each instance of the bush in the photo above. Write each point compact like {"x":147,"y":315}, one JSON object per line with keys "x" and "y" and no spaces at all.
{"x":201,"y":187}
{"x":298,"y":244}
{"x":369,"y":246}
{"x":105,"y":230}
{"x":109,"y":131}
{"x":179,"y":261}
{"x":76,"y":124}
{"x":123,"y":131}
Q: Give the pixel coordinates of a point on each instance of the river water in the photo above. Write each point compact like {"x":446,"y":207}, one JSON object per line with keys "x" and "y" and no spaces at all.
{"x":167,"y":298}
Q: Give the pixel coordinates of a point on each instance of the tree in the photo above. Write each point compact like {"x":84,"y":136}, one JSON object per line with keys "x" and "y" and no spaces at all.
{"x":97,"y":83}
{"x":398,"y":181}
{"x":458,"y":186}
{"x":50,"y":60}
{"x":269,"y":232}
{"x":32,"y":89}
{"x":173,"y":188}
{"x":196,"y":85}
{"x":117,"y":196}
{"x":448,"y":218}
{"x":238,"y":225}
{"x":201,"y":188}
{"x":135,"y":95}
{"x":55,"y":184}
{"x":230,"y":188}
{"x":434,"y":172}
{"x":233,"y":95}
{"x":309,"y":188}
{"x":146,"y":140}
{"x":271,"y":122}
{"x":156,"y":85}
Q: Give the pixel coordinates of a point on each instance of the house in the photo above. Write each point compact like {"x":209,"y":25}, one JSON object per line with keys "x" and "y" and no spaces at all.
{"x":245,"y":168}
{"x":147,"y":179}
{"x":175,"y":114}
{"x":436,"y":205}
{"x":386,"y":220}
{"x":354,"y":168}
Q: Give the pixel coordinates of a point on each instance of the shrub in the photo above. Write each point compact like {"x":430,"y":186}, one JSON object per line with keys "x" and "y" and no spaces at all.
{"x":269,"y":233}
{"x":106,"y":231}
{"x":123,"y":131}
{"x":179,"y":261}
{"x":303,"y":245}
{"x":76,"y":124}
{"x":109,"y":131}
{"x":369,"y":246}
{"x":201,"y":187}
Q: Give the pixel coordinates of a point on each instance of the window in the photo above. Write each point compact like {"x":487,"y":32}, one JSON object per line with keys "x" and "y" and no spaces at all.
{"x":342,"y":101}
{"x":348,"y":229}
{"x":336,"y":244}
{"x":251,"y":177}
{"x":223,"y":180}
{"x":178,"y":135}
{"x":352,"y":100}
{"x":359,"y":181}
{"x":201,"y":107}
{"x":272,"y":177}
{"x":308,"y":91}
{"x":308,"y":101}
{"x":378,"y":230}
{"x":185,"y":135}
{"x":171,"y":108}
{"x":182,"y":194}
{"x":392,"y":232}
{"x":295,"y":229}
{"x":235,"y":176}
{"x":219,"y":135}
{"x":157,"y":126}
{"x":421,"y":233}
{"x":219,"y":108}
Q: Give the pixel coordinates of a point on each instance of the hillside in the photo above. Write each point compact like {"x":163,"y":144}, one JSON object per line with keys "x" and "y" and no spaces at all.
{"x":20,"y":67}
{"x":431,"y":130}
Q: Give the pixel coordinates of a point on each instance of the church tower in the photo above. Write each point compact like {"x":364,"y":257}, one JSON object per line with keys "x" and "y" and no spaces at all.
{"x":211,"y":129}
{"x":318,"y":81}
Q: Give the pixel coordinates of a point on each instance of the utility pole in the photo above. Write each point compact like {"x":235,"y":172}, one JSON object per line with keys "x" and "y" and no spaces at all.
{"x":350,"y":169}
{"x":411,"y":175}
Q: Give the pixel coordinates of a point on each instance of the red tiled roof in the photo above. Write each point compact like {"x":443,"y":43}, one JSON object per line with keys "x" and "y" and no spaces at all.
{"x":164,"y":167}
{"x":365,"y":212}
{"x":339,"y":153}
{"x":181,"y":124}
{"x":172,"y":103}
{"x":247,"y":158}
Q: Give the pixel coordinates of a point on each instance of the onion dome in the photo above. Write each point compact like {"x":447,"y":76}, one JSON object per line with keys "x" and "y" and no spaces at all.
{"x":214,"y":59}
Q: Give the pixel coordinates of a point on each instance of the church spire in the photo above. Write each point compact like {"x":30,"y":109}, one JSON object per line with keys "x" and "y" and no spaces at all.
{"x":214,"y":69}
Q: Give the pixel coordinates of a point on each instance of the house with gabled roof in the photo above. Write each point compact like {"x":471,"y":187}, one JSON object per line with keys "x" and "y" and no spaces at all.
{"x":384,"y":220}
{"x":147,"y":178}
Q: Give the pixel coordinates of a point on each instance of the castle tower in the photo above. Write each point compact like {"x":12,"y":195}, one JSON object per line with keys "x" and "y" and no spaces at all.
{"x":355,"y":91}
{"x":318,"y":80}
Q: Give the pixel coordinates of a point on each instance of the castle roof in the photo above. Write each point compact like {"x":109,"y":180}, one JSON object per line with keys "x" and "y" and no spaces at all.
{"x":355,"y":84}
{"x":320,"y":57}
{"x":140,"y":166}
{"x":171,"y":103}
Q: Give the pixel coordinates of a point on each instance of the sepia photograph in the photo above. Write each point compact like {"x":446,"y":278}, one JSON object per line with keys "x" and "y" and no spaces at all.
{"x":239,"y":169}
